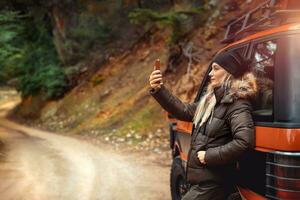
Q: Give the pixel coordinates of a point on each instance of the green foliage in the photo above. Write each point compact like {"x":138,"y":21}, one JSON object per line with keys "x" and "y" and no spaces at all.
{"x":28,"y":55}
{"x":89,"y":31}
{"x":10,"y":52}
{"x":48,"y":81}
{"x":181,"y":22}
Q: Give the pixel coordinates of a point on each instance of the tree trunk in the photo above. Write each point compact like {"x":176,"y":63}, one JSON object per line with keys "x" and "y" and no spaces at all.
{"x":140,"y":4}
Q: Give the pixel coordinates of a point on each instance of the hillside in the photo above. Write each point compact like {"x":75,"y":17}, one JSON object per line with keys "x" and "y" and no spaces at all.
{"x":114,"y":104}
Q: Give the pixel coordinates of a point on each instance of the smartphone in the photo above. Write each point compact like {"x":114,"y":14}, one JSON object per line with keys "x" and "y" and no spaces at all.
{"x":157,"y":64}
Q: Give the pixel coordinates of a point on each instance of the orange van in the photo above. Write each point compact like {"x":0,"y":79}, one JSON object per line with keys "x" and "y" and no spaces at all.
{"x":269,"y":35}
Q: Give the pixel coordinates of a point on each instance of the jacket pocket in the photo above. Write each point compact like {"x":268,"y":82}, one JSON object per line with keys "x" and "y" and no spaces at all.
{"x":194,"y":160}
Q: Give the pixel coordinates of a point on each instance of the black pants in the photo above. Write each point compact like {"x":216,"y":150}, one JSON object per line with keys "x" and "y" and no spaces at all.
{"x":208,"y":191}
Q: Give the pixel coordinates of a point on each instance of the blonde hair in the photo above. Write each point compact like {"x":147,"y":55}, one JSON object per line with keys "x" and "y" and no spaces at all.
{"x":207,"y":103}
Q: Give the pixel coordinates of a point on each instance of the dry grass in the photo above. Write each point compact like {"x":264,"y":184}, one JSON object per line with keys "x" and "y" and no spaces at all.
{"x":116,"y":97}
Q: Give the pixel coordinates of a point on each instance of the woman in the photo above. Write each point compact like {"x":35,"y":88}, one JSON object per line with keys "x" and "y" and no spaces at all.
{"x":223,"y":128}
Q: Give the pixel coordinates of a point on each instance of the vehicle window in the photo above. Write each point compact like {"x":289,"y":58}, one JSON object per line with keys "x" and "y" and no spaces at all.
{"x":241,"y":50}
{"x":203,"y":92}
{"x":263,"y":58}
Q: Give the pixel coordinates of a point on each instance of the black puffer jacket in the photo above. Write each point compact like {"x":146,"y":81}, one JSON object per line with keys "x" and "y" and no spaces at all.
{"x":229,"y":135}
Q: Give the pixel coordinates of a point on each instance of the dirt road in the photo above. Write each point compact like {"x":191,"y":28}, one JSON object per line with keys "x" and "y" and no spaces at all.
{"x":37,"y":165}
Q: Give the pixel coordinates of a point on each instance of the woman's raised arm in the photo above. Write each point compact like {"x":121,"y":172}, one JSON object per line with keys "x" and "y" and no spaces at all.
{"x":173,"y":105}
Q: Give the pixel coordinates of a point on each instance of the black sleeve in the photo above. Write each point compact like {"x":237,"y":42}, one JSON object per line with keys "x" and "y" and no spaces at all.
{"x":173,"y":105}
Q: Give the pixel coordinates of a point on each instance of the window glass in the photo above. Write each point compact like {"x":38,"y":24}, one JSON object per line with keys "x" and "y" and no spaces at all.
{"x":263,"y":58}
{"x":205,"y":86}
{"x":241,"y":50}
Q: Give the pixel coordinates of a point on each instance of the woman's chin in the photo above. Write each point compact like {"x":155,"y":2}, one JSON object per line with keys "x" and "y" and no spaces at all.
{"x":213,"y":85}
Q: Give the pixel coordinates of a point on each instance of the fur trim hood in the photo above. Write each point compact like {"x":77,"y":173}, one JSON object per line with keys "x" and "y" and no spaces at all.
{"x":241,"y":88}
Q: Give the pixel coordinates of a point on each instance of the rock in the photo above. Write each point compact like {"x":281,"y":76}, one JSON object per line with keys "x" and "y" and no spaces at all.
{"x":121,"y":140}
{"x":158,"y":134}
{"x":136,"y":136}
{"x":150,"y":136}
{"x":157,"y":150}
{"x":129,"y":142}
{"x":132,"y":131}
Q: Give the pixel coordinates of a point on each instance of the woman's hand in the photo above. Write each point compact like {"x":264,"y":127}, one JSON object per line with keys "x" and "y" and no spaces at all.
{"x":155,"y":79}
{"x":201,"y":156}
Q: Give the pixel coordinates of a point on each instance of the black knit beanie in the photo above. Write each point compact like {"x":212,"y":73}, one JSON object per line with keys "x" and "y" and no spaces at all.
{"x":232,"y":62}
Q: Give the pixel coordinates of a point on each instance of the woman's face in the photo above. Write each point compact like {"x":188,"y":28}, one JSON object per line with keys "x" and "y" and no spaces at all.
{"x":217,"y":75}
